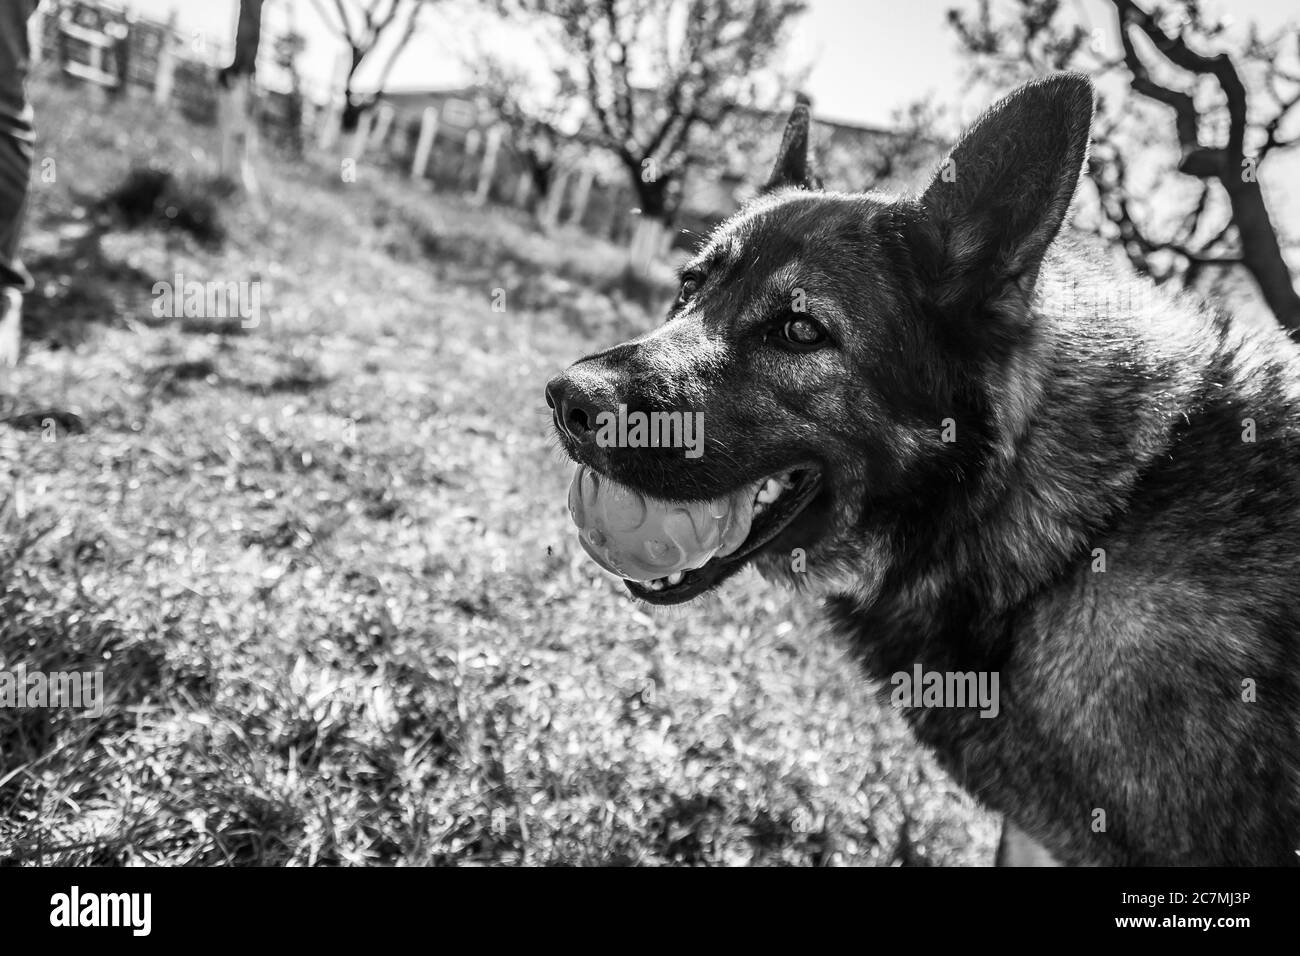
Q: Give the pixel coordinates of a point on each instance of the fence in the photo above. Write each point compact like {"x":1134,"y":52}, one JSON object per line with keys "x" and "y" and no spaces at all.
{"x":445,"y":140}
{"x":455,"y":147}
{"x":103,"y":45}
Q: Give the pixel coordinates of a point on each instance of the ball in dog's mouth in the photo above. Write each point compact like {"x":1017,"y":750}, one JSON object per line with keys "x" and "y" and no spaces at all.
{"x":667,"y":552}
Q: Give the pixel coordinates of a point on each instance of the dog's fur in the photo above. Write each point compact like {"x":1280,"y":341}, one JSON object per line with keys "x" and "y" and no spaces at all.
{"x":1101,"y":532}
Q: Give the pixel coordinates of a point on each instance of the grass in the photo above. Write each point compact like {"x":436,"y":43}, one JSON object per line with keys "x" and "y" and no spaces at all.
{"x":326,"y":568}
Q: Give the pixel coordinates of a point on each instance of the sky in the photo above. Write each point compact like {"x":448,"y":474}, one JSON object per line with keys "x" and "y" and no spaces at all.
{"x":868,"y":58}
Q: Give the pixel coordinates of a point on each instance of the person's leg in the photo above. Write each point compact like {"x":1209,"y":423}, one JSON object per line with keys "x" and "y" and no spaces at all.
{"x":15,"y":168}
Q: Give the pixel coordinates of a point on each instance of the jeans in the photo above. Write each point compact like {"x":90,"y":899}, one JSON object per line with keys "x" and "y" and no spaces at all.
{"x":16,"y":138}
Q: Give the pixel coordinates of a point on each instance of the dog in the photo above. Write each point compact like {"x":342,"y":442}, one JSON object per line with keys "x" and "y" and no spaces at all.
{"x":996,"y":457}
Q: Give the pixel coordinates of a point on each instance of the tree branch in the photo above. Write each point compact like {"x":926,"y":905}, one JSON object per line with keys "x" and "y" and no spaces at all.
{"x":1177,"y":52}
{"x":382,"y":82}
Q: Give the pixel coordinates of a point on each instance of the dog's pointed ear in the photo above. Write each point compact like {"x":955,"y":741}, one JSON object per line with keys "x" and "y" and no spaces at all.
{"x":792,"y":168}
{"x":999,"y":199}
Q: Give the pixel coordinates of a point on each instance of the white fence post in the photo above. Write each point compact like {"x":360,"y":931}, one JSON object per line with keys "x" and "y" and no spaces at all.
{"x":383,"y":123}
{"x":36,"y":34}
{"x":428,"y":130}
{"x":166,"y":72}
{"x":489,"y":165}
{"x":581,"y":195}
{"x":328,"y":130}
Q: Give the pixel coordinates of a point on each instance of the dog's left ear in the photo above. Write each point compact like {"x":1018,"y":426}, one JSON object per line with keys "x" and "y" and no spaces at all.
{"x":997,"y":202}
{"x":791,"y":167}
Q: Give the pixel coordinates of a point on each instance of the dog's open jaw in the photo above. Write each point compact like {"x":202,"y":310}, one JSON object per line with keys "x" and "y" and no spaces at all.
{"x":777,"y":502}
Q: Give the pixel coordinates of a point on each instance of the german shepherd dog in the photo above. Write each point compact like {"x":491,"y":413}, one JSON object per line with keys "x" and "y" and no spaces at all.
{"x":996,"y":459}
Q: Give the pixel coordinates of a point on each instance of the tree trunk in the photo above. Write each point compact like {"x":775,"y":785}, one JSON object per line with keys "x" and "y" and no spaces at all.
{"x":235,"y":99}
{"x":649,"y":243}
{"x":1260,"y":252}
{"x":353,"y":110}
{"x":238,"y":133}
{"x":353,"y":106}
{"x":356,"y":126}
{"x":654,"y":197}
{"x":540,"y":175}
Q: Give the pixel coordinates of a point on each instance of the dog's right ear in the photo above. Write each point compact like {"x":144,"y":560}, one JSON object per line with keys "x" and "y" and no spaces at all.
{"x":999,"y":199}
{"x":791,"y":167}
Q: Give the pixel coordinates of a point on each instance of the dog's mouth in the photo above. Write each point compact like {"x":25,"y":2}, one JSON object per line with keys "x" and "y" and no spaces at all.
{"x":776,"y":502}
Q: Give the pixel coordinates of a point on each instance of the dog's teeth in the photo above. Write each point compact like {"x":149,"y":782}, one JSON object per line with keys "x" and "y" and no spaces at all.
{"x":656,"y":585}
{"x":675,"y":578}
{"x":770,"y":491}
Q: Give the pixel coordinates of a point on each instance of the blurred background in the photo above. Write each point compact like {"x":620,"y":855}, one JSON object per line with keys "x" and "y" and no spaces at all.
{"x":274,"y":459}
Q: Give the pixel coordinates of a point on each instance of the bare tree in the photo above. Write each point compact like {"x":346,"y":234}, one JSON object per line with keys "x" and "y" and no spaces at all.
{"x":890,"y":157}
{"x":697,"y":61}
{"x":1229,"y":108}
{"x":534,"y":123}
{"x":362,"y":24}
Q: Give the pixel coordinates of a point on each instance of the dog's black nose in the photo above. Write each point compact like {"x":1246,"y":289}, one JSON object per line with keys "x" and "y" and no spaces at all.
{"x":573,"y":413}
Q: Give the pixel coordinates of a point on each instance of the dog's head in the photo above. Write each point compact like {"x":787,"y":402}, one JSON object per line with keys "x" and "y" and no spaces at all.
{"x":838,"y":343}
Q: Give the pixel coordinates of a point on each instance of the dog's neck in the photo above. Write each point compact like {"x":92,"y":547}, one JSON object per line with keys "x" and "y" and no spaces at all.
{"x":1078,"y":437}
{"x":1075,"y":441}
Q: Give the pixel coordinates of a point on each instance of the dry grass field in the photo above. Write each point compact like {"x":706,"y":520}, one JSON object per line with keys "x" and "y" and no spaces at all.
{"x":326,"y":568}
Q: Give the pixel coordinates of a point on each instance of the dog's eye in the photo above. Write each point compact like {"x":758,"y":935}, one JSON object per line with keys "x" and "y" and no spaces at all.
{"x":802,"y":334}
{"x":690,"y":285}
